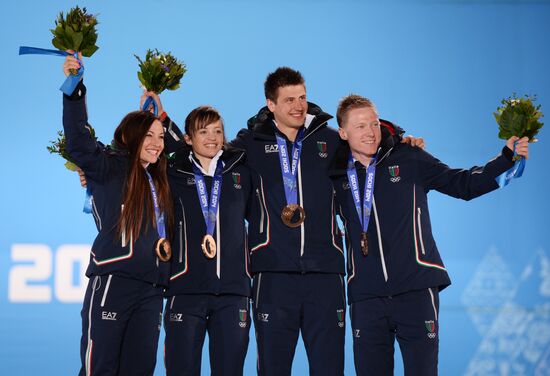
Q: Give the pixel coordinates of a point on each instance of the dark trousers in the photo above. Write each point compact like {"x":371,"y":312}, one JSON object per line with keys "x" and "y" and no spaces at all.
{"x":187,"y":318}
{"x":412,"y":318}
{"x":287,"y":303}
{"x":121,"y":320}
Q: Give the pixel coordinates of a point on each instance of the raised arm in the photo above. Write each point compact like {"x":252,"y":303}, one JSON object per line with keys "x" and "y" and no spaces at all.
{"x":84,"y":150}
{"x":173,"y":137}
{"x":474,"y":182}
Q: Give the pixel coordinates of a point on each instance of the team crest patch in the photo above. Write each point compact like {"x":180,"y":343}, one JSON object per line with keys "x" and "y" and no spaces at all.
{"x":236,"y":180}
{"x":430,"y":328}
{"x":190,"y":181}
{"x":322,"y":147}
{"x":243,"y":314}
{"x":345,"y":185}
{"x":340,"y":316}
{"x":394,"y":173}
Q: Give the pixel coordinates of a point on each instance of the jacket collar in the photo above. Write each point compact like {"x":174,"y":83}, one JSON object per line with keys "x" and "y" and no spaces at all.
{"x":230,"y":157}
{"x":263,"y":126}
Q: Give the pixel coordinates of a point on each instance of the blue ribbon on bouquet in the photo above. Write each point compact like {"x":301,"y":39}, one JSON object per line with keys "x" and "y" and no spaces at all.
{"x":72,"y":80}
{"x":513,"y":173}
{"x":148,"y":102}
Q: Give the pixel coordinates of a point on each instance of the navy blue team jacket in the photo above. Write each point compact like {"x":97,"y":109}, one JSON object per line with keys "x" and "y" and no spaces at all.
{"x":227,"y":273}
{"x":106,"y":171}
{"x":402,"y":253}
{"x":316,"y":245}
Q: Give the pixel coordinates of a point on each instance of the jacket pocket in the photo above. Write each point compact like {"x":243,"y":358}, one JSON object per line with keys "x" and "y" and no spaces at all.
{"x":262,"y":212}
{"x":419,"y":225}
{"x":258,"y":287}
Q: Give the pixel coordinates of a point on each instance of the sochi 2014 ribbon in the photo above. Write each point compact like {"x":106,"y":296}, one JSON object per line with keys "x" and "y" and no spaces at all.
{"x":72,"y":80}
{"x":513,"y":173}
{"x":209,"y":206}
{"x":363,"y":208}
{"x":148,"y":102}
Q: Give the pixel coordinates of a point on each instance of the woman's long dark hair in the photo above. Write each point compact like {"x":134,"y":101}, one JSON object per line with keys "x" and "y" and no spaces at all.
{"x":137,"y":198}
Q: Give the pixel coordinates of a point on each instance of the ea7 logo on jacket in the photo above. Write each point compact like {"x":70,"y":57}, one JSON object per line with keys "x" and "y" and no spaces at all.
{"x":177,"y":317}
{"x":271,"y":148}
{"x":263,"y":317}
{"x":322,"y":147}
{"x":236,"y":180}
{"x":106,"y":315}
{"x":394,"y":173}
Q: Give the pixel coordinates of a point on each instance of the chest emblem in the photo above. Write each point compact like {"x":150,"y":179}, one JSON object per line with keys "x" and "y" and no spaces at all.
{"x":322,"y":147}
{"x":190,"y":181}
{"x":236,"y":180}
{"x":394,"y":173}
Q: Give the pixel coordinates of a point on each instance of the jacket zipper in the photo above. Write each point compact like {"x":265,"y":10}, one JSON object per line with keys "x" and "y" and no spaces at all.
{"x":183,"y":232}
{"x":96,"y":213}
{"x":261,"y":211}
{"x":379,"y":235}
{"x":258,"y":290}
{"x":181,"y":243}
{"x":301,"y":196}
{"x":123,"y":237}
{"x":106,"y":290}
{"x":420,"y":231}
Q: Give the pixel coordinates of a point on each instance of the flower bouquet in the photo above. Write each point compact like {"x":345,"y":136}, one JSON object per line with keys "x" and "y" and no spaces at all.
{"x":76,"y":32}
{"x":519,"y":117}
{"x":159,"y":71}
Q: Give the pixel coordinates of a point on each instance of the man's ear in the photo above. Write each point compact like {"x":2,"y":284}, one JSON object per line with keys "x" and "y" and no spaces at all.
{"x":342,"y":133}
{"x":270,"y":104}
{"x":187,"y":140}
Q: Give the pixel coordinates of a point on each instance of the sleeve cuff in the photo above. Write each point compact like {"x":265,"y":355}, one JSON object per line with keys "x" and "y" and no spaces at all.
{"x":78,"y":93}
{"x":509,"y":154}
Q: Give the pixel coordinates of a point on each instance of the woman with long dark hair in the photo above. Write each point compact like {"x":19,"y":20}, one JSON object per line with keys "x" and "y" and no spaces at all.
{"x":129,"y":268}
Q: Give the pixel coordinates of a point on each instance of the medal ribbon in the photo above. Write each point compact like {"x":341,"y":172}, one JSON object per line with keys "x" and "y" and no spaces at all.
{"x":159,"y":217}
{"x":513,"y":173}
{"x":364,"y":209}
{"x":209,"y":209}
{"x":148,"y":102}
{"x":289,"y":170}
{"x":72,"y":80}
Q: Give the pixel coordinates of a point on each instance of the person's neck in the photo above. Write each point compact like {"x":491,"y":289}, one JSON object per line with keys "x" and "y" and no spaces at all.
{"x":204,"y":161}
{"x":364,"y":159}
{"x":289,"y":132}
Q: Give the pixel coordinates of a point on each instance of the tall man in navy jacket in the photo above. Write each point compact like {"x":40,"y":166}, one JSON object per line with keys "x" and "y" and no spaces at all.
{"x":395,"y":271}
{"x":298,"y":258}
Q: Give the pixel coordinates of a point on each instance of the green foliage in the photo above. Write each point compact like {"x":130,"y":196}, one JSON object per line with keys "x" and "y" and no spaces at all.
{"x":160,"y":71}
{"x":76,"y":32}
{"x":519,"y":117}
{"x":59,"y":146}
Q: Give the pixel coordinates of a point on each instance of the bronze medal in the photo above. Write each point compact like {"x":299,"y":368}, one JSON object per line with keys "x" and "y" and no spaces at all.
{"x":163,"y":249}
{"x":208,"y":246}
{"x":364,"y":244}
{"x":290,"y":212}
